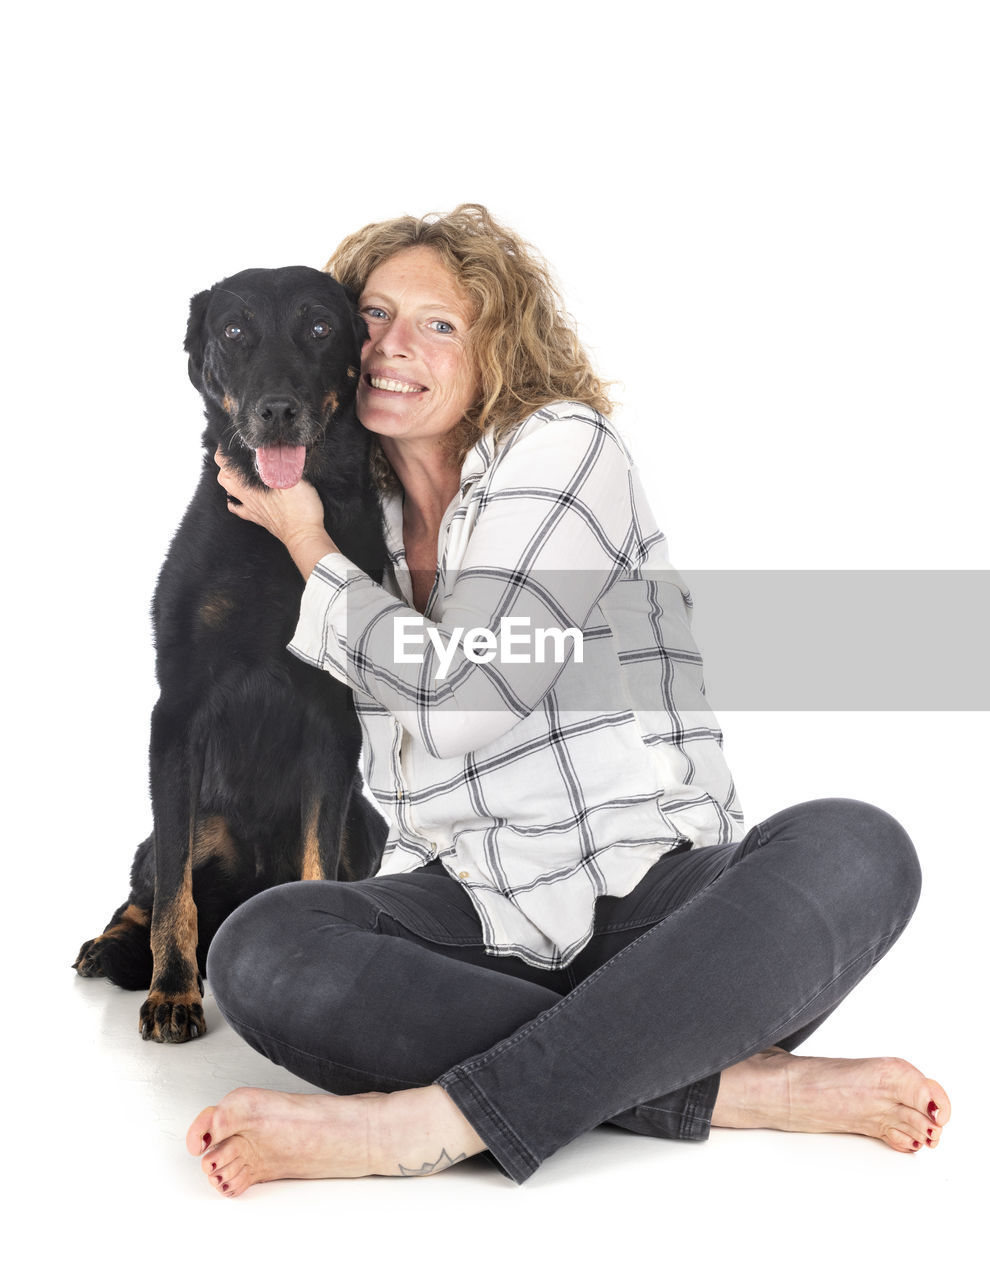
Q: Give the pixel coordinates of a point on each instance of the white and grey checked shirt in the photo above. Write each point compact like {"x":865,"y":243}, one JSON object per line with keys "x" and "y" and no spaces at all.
{"x":540,"y":784}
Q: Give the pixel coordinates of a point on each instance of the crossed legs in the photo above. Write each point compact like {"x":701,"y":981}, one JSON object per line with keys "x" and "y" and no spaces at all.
{"x":679,"y":1014}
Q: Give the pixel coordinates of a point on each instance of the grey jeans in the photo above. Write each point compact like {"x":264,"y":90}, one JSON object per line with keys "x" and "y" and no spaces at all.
{"x":719,"y":952}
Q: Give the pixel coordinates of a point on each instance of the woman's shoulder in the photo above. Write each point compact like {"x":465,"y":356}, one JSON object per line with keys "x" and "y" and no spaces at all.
{"x":559,"y":443}
{"x":556,"y":425}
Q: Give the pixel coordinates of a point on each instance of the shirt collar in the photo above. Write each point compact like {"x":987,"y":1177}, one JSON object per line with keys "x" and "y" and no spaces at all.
{"x":477,"y":461}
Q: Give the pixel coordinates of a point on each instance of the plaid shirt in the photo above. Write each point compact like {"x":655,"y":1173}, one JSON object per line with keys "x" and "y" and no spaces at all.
{"x":540,"y":784}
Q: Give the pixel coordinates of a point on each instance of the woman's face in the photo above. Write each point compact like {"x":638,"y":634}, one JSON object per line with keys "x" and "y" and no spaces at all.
{"x":417,"y":377}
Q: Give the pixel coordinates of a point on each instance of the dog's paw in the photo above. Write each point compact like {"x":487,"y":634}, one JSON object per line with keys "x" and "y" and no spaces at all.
{"x":122,"y":955}
{"x":87,"y":963}
{"x":171,"y":1019}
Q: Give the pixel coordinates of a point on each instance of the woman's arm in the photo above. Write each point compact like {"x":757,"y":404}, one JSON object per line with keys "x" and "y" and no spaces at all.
{"x":555,"y":523}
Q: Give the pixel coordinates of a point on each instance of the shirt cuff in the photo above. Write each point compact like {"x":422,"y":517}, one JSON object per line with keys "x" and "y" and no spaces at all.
{"x":320,"y":635}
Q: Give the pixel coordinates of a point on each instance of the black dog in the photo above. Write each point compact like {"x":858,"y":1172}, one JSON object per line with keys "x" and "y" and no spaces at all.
{"x":254,"y":777}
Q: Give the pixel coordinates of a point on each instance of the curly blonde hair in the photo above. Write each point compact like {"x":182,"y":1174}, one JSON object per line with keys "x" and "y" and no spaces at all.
{"x":521,"y":338}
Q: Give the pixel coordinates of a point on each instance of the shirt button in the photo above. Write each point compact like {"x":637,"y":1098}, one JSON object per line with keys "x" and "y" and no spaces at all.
{"x":464,"y":875}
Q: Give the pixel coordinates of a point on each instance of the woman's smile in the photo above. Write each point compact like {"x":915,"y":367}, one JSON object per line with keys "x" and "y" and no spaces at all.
{"x":383,"y":382}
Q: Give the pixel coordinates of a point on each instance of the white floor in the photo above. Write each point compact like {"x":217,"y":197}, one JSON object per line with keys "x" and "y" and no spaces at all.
{"x":98,"y":1119}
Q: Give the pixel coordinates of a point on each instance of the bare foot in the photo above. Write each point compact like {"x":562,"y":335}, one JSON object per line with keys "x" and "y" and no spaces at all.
{"x":258,"y":1135}
{"x":884,"y":1098}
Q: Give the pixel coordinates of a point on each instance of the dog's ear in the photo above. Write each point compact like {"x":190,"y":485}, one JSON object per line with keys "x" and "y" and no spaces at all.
{"x":195,"y":343}
{"x":359,"y":330}
{"x":358,"y":327}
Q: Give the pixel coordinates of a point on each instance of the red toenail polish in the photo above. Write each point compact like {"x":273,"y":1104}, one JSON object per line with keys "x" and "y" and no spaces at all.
{"x":929,"y":1134}
{"x":207,"y":1139}
{"x":933,"y":1109}
{"x":226,"y":1187}
{"x":928,"y":1142}
{"x":214,"y":1164}
{"x":917,"y":1144}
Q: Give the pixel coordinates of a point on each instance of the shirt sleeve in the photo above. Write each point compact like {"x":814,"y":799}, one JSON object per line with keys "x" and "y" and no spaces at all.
{"x":554,"y":525}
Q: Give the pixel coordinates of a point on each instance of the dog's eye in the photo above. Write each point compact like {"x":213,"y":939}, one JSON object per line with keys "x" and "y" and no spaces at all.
{"x":320,"y":329}
{"x":233,"y":331}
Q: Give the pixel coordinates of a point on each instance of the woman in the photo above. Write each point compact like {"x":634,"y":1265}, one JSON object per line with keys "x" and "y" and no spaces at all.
{"x":570,"y":927}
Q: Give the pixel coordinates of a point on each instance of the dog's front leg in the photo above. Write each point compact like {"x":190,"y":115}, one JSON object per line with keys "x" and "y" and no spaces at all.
{"x":173,"y":1011}
{"x":329,"y":777}
{"x":321,"y":850}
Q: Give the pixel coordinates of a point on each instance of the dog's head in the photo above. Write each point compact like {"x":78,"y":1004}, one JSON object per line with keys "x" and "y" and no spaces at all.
{"x":278,"y":353}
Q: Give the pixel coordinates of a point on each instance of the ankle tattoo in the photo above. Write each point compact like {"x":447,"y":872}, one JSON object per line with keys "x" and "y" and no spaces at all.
{"x":443,"y":1161}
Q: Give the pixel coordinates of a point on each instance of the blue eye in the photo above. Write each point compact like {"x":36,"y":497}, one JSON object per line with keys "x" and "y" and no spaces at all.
{"x":442,"y":326}
{"x":376,"y":313}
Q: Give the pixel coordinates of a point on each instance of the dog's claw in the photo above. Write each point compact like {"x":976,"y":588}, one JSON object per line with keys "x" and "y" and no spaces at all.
{"x":86,"y":962}
{"x":171,"y":1019}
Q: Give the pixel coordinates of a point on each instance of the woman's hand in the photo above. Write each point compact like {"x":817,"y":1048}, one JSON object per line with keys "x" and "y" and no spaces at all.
{"x":294,"y":516}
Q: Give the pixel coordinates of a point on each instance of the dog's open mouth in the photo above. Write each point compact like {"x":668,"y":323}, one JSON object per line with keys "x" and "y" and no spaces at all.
{"x":280,"y":465}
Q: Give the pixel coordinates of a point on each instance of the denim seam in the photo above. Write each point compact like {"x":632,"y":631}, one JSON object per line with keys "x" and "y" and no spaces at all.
{"x":519,"y":1161}
{"x":696,"y":1120}
{"x":658,"y":917}
{"x":460,"y":940}
{"x":662,"y":1111}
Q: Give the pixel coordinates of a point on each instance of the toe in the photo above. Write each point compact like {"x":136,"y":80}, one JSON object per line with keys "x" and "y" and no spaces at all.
{"x":238,"y":1183}
{"x":901,"y":1141}
{"x":223,"y":1157}
{"x":936,"y":1105}
{"x":214,"y":1124}
{"x":925,"y":1097}
{"x":200,"y":1133}
{"x":906,"y":1129}
{"x":230,"y":1178}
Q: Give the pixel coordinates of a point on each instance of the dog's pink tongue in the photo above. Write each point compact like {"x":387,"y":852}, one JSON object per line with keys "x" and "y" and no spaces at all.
{"x":281,"y":465}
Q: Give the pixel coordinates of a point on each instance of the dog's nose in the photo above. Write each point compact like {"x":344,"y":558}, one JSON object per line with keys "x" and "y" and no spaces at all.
{"x":278,"y":411}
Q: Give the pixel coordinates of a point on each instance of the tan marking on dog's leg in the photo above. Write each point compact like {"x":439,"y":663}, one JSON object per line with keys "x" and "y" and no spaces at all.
{"x":175,"y":928}
{"x":133,"y":918}
{"x":173,"y":1011}
{"x":311,"y":866}
{"x":213,"y":840}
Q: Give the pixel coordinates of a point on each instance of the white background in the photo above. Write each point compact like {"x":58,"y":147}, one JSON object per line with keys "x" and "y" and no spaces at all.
{"x":770,"y":221}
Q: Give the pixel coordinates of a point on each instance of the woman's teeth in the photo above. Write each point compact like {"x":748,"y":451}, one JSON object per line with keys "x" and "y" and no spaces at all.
{"x":390,"y":384}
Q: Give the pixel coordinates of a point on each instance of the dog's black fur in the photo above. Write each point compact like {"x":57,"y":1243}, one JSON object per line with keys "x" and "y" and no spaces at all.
{"x":254,"y":777}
